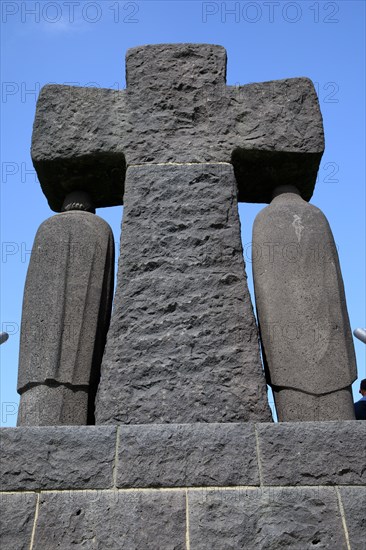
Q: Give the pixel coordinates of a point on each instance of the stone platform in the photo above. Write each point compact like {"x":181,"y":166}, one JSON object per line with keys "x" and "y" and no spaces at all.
{"x":189,"y":486}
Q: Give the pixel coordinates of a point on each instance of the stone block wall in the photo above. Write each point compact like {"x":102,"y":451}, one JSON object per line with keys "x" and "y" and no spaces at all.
{"x":184,"y":487}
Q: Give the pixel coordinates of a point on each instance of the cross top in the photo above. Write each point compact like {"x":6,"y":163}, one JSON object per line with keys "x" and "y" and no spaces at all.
{"x":177,"y":109}
{"x":175,"y":66}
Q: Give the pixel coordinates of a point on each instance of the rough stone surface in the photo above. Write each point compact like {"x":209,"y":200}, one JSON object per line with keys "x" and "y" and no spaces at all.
{"x":81,"y":508}
{"x":76,"y":144}
{"x":57,"y":458}
{"x":187,"y":455}
{"x":302,"y":313}
{"x":260,"y":520}
{"x":112,"y":520}
{"x":17,"y":513}
{"x":354,"y":504}
{"x":183,"y":345}
{"x":53,"y":405}
{"x":177,"y":108}
{"x":298,"y":406}
{"x":313,"y":453}
{"x":66,"y":311}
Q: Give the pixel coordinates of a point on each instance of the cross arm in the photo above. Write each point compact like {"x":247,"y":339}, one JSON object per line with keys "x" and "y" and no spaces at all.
{"x":76,"y":144}
{"x":279,"y":137}
{"x":177,"y":109}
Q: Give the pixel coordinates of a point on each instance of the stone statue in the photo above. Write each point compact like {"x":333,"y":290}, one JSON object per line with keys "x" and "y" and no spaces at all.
{"x":179,"y":148}
{"x":306,"y":336}
{"x":66,"y":312}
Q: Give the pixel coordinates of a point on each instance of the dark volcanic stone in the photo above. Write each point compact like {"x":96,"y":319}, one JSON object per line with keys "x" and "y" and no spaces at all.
{"x":75,"y":144}
{"x":53,"y":405}
{"x":262,"y":519}
{"x":17,"y":513}
{"x":65,"y":299}
{"x":302,"y":312}
{"x":75,"y":457}
{"x":187,"y":455}
{"x":112,"y":521}
{"x":175,"y":67}
{"x":313,"y":453}
{"x":183,"y":344}
{"x":66,"y":312}
{"x":354,"y":504}
{"x":177,"y":108}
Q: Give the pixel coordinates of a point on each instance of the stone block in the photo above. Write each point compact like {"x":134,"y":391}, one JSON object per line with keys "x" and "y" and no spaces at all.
{"x":112,"y":520}
{"x":313,"y":453}
{"x":167,"y":66}
{"x":262,"y":519}
{"x":187,"y":455}
{"x":354,"y":504}
{"x":17,"y":512}
{"x":34,"y":458}
{"x":183,"y":343}
{"x":76,"y":144}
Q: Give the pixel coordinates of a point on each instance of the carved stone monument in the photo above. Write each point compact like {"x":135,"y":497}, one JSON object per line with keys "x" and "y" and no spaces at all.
{"x":182,"y":346}
{"x":66,"y":312}
{"x":305,"y":332}
{"x":190,"y":462}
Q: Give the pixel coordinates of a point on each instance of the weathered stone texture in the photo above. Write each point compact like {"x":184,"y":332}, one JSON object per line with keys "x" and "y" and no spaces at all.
{"x":72,"y":259}
{"x":80,"y":508}
{"x":297,"y":406}
{"x":187,"y":455}
{"x":354,"y":504}
{"x":66,"y":310}
{"x":182,"y":346}
{"x":302,"y":313}
{"x":111,"y":520}
{"x":76,"y":143}
{"x":51,"y":458}
{"x":261,"y":520}
{"x":177,"y":108}
{"x":300,"y":298}
{"x":313,"y":453}
{"x":36,"y":458}
{"x":53,"y":405}
{"x":17,"y":513}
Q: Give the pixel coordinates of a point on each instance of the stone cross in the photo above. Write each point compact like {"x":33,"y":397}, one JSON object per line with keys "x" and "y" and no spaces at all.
{"x":177,"y":108}
{"x":179,"y":148}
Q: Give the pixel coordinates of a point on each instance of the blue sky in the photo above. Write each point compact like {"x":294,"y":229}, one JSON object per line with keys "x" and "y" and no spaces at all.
{"x":84,"y":43}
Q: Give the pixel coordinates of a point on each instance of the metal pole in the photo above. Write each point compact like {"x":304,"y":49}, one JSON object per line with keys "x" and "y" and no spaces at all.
{"x":360,"y":333}
{"x":3,"y":337}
